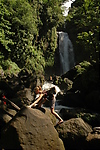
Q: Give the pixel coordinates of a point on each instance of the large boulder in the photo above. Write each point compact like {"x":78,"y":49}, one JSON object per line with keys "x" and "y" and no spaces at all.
{"x":6,"y":89}
{"x":64,"y":84}
{"x":51,"y":116}
{"x":91,"y":117}
{"x":93,"y":141}
{"x":26,"y":96}
{"x":73,"y":132}
{"x":93,"y":100}
{"x":30,"y":129}
{"x":73,"y":99}
{"x":6,"y":114}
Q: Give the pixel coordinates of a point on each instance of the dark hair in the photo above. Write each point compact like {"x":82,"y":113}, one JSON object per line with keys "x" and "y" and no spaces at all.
{"x":49,"y":93}
{"x":52,"y":90}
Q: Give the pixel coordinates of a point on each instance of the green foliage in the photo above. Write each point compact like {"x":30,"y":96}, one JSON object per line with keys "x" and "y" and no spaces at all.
{"x":87,"y":75}
{"x":18,"y":29}
{"x":5,"y":31}
{"x":49,"y":19}
{"x":28,"y":32}
{"x":84,"y":17}
{"x":36,"y":63}
{"x":24,"y":26}
{"x":9,"y":67}
{"x":49,"y":44}
{"x":82,"y":67}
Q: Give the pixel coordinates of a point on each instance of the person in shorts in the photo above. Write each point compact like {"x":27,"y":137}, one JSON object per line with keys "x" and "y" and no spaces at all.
{"x":42,"y":96}
{"x":52,"y":107}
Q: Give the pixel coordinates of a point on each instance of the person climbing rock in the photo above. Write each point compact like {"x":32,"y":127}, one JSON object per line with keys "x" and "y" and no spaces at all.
{"x":42,"y":96}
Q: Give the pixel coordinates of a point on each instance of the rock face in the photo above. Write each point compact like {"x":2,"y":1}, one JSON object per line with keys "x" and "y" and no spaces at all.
{"x":73,"y":132}
{"x":92,"y":118}
{"x":26,"y":96}
{"x":30,"y":129}
{"x":93,"y":141}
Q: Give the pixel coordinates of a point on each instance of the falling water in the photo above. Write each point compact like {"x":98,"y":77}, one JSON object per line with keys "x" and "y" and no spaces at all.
{"x":66,"y":52}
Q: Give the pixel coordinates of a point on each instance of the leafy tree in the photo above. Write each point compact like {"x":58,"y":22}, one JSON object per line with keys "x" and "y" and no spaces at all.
{"x":18,"y":32}
{"x":84,"y":17}
{"x":24,"y":27}
{"x":28,"y":32}
{"x":50,"y":18}
{"x":5,"y":32}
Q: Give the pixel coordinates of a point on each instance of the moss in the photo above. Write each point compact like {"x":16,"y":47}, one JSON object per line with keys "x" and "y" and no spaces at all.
{"x":10,"y":67}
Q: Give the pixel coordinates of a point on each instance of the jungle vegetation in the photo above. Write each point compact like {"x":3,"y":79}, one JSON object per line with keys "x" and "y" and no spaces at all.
{"x":28,"y":31}
{"x":83,"y":24}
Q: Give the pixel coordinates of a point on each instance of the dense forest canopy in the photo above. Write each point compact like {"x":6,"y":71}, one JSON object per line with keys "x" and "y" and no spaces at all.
{"x":28,"y":31}
{"x":83,"y":22}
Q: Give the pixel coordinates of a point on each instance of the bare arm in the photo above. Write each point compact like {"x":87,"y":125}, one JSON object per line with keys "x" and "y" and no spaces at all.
{"x":40,"y":97}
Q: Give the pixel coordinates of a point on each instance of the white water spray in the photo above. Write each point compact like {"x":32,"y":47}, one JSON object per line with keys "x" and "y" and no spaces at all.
{"x":48,"y":85}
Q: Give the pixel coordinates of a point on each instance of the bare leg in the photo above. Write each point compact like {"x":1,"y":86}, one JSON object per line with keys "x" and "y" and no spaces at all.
{"x":57,"y":116}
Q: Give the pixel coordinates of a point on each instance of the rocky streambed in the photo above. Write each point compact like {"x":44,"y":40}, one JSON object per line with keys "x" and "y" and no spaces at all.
{"x":29,"y":128}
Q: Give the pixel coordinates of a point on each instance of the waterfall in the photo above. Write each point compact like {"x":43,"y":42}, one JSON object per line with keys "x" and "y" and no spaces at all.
{"x":66,"y":53}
